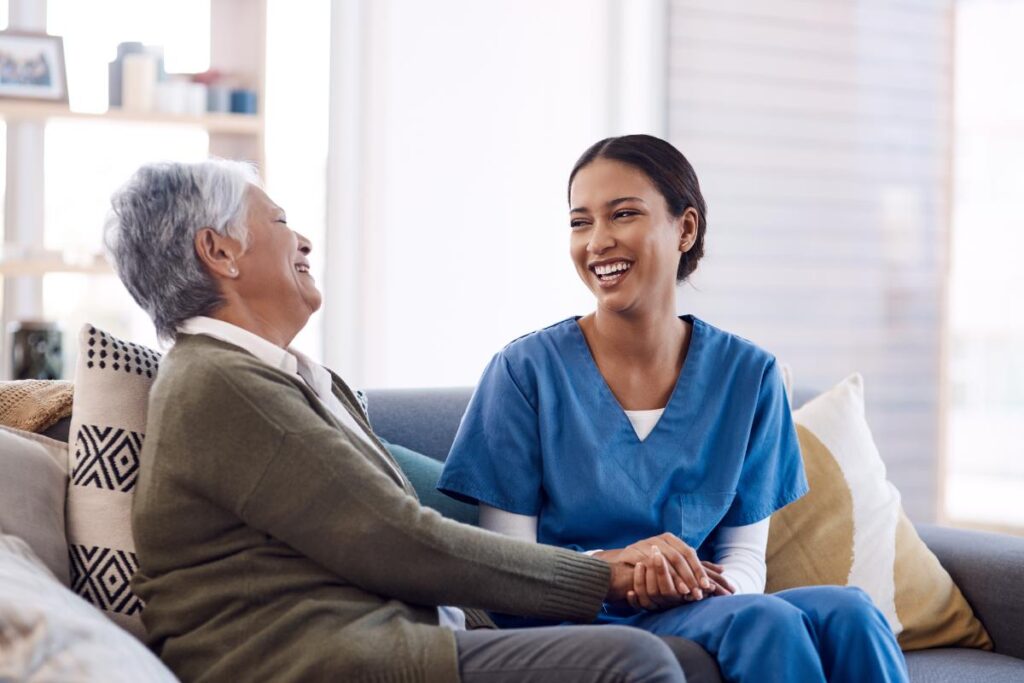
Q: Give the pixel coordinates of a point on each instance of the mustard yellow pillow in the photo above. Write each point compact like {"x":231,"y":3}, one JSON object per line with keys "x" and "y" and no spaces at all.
{"x":850,"y":529}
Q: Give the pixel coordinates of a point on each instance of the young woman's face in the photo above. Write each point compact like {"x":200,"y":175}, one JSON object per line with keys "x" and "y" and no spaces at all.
{"x":624,"y":242}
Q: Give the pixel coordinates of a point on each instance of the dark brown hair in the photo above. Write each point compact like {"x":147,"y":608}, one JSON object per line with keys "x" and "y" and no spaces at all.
{"x":670,"y":172}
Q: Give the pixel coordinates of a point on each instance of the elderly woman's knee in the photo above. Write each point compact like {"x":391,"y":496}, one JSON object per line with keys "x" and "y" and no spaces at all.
{"x":640,"y":656}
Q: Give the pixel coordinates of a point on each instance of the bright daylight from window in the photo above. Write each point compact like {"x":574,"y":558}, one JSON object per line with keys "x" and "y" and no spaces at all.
{"x":985,"y":466}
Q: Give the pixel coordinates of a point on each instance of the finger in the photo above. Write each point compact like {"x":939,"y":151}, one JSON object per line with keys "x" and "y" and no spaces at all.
{"x":640,"y":586}
{"x":633,"y":602}
{"x":725,"y":583}
{"x":651,"y":576}
{"x":663,"y":573}
{"x":690,"y":554}
{"x":687,"y":582}
{"x":721,"y":585}
{"x":699,"y":573}
{"x":713,"y":565}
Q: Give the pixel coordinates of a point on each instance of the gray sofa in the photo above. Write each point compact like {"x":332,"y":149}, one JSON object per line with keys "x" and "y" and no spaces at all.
{"x":989,"y":568}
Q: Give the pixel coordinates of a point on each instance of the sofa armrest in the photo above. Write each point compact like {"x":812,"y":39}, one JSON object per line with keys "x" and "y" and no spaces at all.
{"x":989,"y":569}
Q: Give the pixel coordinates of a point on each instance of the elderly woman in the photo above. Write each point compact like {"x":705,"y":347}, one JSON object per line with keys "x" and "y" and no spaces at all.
{"x":277,"y":538}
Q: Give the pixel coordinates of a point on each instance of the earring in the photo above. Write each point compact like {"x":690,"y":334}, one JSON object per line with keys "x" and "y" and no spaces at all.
{"x":233,"y":270}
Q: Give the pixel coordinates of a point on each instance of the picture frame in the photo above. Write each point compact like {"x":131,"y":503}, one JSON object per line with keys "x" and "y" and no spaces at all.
{"x":32,"y":67}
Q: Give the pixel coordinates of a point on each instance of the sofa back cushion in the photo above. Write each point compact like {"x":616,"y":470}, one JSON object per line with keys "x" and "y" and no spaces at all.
{"x":108,"y":424}
{"x":424,"y":420}
{"x":33,"y":484}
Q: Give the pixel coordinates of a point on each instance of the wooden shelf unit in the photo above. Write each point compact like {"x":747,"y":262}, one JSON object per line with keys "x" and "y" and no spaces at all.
{"x":238,"y":38}
{"x":230,"y":124}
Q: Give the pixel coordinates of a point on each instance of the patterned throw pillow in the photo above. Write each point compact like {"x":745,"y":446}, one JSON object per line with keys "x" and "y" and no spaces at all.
{"x":850,"y":529}
{"x":108,"y":423}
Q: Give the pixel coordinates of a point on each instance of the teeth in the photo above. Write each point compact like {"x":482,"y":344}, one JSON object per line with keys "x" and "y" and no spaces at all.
{"x":608,"y":269}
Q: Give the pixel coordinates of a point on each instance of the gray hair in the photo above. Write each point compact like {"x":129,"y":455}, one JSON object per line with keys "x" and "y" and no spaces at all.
{"x":151,"y":230}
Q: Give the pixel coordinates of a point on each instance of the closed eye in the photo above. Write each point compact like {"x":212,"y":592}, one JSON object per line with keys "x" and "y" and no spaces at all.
{"x":578,"y":224}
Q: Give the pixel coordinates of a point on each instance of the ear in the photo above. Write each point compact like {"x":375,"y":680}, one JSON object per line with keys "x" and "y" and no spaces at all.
{"x":218,"y":253}
{"x":687,"y":227}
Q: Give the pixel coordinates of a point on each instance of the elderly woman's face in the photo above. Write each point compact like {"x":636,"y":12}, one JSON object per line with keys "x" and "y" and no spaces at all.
{"x":274,"y":269}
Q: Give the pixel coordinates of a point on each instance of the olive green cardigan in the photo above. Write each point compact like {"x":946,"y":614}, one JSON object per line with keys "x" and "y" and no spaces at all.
{"x":275,"y":545}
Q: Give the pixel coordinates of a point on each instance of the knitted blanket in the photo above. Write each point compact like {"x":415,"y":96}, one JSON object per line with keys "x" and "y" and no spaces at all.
{"x":33,"y":405}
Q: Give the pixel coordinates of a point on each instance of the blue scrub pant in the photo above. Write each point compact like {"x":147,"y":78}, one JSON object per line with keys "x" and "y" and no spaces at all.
{"x":818,"y":633}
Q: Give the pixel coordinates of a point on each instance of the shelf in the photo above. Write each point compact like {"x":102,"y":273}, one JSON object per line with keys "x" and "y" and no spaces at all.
{"x":234,"y":124}
{"x":53,"y":263}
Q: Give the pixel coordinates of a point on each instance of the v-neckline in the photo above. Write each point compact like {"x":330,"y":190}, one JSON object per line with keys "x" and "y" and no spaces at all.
{"x":682,"y":380}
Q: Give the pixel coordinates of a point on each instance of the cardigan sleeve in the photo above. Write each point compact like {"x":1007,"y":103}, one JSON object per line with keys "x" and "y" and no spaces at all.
{"x":313,"y":486}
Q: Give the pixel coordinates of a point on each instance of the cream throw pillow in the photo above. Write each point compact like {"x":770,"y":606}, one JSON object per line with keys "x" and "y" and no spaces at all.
{"x":850,"y":529}
{"x":108,"y":424}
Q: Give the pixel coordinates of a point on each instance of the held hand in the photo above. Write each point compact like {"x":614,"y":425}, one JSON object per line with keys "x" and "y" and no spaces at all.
{"x":621,"y":581}
{"x":655,"y":584}
{"x":722,"y":586}
{"x":690,"y":575}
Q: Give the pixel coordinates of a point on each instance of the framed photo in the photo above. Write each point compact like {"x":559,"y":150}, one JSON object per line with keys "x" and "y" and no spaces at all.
{"x":32,"y":67}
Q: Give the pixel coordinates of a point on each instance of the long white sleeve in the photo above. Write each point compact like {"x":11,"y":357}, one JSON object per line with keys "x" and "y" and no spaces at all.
{"x":523,"y":527}
{"x":741,"y":550}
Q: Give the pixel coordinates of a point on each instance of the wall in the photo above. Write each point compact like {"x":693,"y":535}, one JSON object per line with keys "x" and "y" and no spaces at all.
{"x":454,"y":126}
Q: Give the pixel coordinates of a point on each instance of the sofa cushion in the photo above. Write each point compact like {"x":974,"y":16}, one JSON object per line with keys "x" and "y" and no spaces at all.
{"x":423,"y":473}
{"x":47,"y":633}
{"x":33,"y":484}
{"x":850,"y":529}
{"x":108,"y":422}
{"x":962,"y":665}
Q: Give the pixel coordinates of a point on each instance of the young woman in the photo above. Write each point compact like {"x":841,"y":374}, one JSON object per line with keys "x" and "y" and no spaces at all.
{"x":633,"y":433}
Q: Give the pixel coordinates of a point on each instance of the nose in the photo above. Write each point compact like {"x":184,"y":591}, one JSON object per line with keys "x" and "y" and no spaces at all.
{"x":601,"y":238}
{"x":305,"y":246}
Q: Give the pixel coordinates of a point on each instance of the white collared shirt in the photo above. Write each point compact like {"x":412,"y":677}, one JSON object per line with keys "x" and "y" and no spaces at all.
{"x":316,"y":378}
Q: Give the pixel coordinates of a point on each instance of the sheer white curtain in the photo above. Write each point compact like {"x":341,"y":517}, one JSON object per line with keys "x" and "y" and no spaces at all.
{"x":455,"y":124}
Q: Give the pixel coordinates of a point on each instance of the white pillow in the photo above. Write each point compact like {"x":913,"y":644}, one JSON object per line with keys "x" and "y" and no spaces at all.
{"x":47,"y":633}
{"x":33,"y":486}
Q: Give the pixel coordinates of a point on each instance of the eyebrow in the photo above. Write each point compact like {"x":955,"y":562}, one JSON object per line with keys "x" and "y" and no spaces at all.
{"x":611,"y":204}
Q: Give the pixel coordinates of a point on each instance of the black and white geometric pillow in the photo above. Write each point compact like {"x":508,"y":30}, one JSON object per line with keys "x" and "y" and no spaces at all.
{"x":108,"y":423}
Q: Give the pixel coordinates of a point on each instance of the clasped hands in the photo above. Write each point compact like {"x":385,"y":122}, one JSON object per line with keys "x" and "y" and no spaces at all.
{"x":661,"y":572}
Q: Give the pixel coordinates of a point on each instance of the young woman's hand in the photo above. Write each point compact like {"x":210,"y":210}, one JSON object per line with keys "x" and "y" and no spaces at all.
{"x":654,"y":583}
{"x":722,"y":586}
{"x":691,"y":577}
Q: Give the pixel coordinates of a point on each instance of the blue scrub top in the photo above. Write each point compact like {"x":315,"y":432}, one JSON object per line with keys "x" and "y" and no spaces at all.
{"x":543,"y":435}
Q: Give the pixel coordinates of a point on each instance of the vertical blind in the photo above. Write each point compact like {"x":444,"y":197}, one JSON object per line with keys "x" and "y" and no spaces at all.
{"x":821,"y":135}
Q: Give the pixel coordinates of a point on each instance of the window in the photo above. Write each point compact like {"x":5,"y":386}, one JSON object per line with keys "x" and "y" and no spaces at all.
{"x":85,"y":161}
{"x":985,"y":440}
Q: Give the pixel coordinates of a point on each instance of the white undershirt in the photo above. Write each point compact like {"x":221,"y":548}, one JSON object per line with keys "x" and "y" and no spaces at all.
{"x":741,"y":549}
{"x":319,"y":380}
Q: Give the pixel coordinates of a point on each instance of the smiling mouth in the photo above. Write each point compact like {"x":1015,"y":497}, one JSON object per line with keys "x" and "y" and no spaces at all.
{"x":302,"y":268}
{"x":609,"y":274}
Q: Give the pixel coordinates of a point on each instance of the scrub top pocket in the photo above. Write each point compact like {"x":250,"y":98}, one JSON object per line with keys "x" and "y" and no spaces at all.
{"x":693,"y":516}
